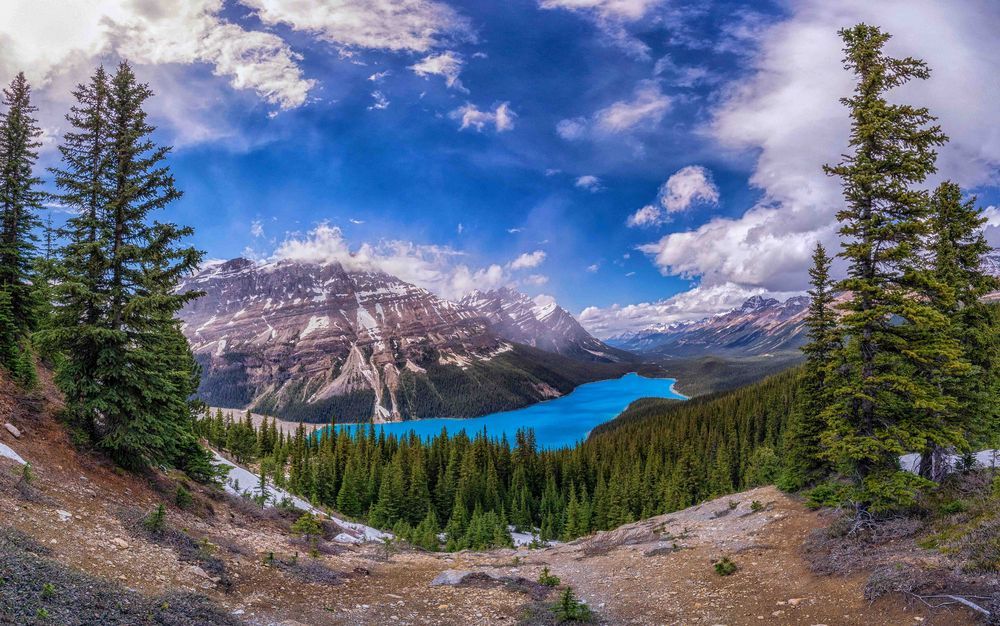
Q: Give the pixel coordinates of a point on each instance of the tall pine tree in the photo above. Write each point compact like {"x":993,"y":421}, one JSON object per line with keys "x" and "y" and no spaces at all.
{"x":20,"y":201}
{"x":884,"y":398}
{"x":127,"y":371}
{"x":803,"y":465}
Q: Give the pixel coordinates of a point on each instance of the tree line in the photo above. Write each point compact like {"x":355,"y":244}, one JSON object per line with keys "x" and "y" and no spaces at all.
{"x":99,"y":302}
{"x":659,"y":456}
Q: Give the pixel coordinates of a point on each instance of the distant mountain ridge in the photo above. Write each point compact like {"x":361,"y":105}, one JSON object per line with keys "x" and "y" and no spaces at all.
{"x":514,"y":316}
{"x":759,"y":326}
{"x":314,"y":341}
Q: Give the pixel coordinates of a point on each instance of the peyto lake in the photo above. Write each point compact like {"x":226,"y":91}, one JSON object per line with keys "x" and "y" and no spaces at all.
{"x":559,"y":422}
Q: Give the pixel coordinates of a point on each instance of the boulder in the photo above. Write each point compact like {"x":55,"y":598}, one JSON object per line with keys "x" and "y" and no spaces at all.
{"x":12,"y":430}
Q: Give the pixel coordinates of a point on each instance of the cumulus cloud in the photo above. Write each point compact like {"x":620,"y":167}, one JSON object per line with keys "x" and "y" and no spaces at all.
{"x":687,"y":186}
{"x":528,"y":260}
{"x":536,"y":280}
{"x":793,"y":93}
{"x":543,"y":299}
{"x":447,"y":64}
{"x":643,"y":111}
{"x":698,"y":303}
{"x":436,"y":268}
{"x":411,"y":26}
{"x":648,"y":215}
{"x":501,"y":117}
{"x":589,"y":182}
{"x":49,"y":42}
{"x":992,"y":226}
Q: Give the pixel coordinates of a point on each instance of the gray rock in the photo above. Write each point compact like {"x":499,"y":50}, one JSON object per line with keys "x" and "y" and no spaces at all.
{"x":450,"y":577}
{"x":12,"y":430}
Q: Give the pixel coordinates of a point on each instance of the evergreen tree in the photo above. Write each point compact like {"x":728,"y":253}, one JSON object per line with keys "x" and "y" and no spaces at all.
{"x":803,"y":463}
{"x":20,"y":200}
{"x":957,"y":249}
{"x":883,"y":403}
{"x":125,"y":368}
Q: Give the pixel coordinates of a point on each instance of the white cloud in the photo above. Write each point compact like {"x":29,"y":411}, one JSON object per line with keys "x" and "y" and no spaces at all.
{"x":379,"y":101}
{"x":687,"y":186}
{"x":992,"y":226}
{"x":378,"y":77}
{"x":648,"y":215}
{"x":501,"y":117}
{"x":356,"y":221}
{"x":589,"y":182}
{"x":528,"y":260}
{"x":437,"y":268}
{"x":645,"y":110}
{"x":543,"y":299}
{"x":49,"y":38}
{"x":256,"y":228}
{"x":575,"y":128}
{"x":694,"y":304}
{"x":447,"y":64}
{"x":514,"y":231}
{"x":611,"y":17}
{"x":788,"y":113}
{"x":647,"y":107}
{"x":593,"y":267}
{"x":536,"y":280}
{"x":409,"y":26}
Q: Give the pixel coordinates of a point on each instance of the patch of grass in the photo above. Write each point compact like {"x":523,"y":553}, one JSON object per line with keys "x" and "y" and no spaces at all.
{"x":953,"y":507}
{"x":48,"y":591}
{"x":725,"y":566}
{"x":756,"y":506}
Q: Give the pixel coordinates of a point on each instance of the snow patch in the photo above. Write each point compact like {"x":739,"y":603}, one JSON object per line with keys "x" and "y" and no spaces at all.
{"x":316,"y":322}
{"x":239,"y":481}
{"x":7,"y":453}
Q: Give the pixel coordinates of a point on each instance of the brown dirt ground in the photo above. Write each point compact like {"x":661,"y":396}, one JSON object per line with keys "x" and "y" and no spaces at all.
{"x":612,"y":571}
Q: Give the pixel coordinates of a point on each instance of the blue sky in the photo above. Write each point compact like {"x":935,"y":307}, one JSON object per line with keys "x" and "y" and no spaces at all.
{"x":640,"y":161}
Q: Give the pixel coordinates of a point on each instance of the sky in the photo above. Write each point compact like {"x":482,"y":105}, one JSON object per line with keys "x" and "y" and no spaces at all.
{"x":638,"y":161}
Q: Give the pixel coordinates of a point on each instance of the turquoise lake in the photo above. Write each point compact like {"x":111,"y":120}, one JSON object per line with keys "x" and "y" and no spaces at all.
{"x":557,"y":423}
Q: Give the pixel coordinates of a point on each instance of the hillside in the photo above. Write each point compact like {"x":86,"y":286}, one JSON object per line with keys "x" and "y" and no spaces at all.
{"x":74,"y":527}
{"x":313,"y":342}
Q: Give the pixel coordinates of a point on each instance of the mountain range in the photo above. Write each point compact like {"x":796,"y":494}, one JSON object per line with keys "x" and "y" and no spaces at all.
{"x":316,"y":341}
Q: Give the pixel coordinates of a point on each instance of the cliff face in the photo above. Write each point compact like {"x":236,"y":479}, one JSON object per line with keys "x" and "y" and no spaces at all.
{"x":315,"y":342}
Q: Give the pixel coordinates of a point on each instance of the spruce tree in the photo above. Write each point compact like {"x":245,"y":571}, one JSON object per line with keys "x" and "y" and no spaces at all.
{"x":883,"y":403}
{"x":126,"y":370}
{"x":803,"y":464}
{"x":957,"y":250}
{"x":20,"y":201}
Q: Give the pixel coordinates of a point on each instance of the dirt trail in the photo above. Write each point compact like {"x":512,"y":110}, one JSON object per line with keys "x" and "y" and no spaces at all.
{"x":658,"y":571}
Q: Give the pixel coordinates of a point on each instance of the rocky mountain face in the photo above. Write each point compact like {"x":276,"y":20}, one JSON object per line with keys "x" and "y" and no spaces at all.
{"x":515,"y":317}
{"x":316,"y":341}
{"x":760,"y":326}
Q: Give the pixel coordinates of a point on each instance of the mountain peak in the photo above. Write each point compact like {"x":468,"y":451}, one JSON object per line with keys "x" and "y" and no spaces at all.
{"x":754,"y":303}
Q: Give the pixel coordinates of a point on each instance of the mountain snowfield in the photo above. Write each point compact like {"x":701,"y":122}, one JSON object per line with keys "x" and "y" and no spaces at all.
{"x":310,"y":341}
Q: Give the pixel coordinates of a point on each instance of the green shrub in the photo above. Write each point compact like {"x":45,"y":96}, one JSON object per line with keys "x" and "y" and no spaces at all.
{"x":825,"y":495}
{"x":48,"y":590}
{"x":156,"y":521}
{"x":546,"y":578}
{"x":756,"y":505}
{"x":953,"y":507}
{"x":569,"y":609}
{"x":725,"y":567}
{"x":309,"y":527}
{"x":183,"y":497}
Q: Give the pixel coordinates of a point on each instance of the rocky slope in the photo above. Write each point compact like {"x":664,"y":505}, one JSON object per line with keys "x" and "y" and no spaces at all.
{"x":514,"y":316}
{"x":760,"y":326}
{"x":315,"y":342}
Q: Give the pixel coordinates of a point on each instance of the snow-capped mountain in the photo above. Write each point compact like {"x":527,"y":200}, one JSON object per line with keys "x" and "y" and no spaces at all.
{"x":316,"y":341}
{"x":759,"y":326}
{"x":514,"y":316}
